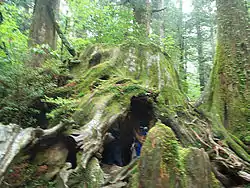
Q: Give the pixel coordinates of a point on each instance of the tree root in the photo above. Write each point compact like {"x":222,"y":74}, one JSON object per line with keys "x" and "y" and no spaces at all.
{"x":91,"y":137}
{"x":14,"y":139}
{"x":122,"y":174}
{"x":201,"y":132}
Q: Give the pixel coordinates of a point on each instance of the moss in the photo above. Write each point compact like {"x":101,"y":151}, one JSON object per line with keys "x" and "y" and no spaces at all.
{"x":164,"y":163}
{"x":246,"y":139}
{"x":134,"y":179}
{"x":227,"y":99}
{"x":161,"y":154}
{"x":133,"y":70}
{"x":150,"y":66}
{"x":125,"y":71}
{"x":215,"y":182}
{"x":184,"y":152}
{"x":91,"y":177}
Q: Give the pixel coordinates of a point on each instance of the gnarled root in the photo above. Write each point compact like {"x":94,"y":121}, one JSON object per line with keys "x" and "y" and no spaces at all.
{"x":13,"y":139}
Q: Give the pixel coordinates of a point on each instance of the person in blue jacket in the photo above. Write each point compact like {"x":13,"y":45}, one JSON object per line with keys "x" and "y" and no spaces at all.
{"x":140,"y":136}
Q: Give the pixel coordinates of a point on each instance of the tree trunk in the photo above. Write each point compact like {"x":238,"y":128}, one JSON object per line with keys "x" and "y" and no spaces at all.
{"x":229,"y":92}
{"x":201,"y":63}
{"x":143,"y":14}
{"x":162,"y":22}
{"x":199,"y":43}
{"x":182,"y":64}
{"x":42,"y":29}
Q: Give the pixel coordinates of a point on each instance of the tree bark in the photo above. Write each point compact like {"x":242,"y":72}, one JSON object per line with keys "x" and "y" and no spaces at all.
{"x":42,"y":29}
{"x":229,"y":92}
{"x":182,"y":64}
{"x":143,"y":14}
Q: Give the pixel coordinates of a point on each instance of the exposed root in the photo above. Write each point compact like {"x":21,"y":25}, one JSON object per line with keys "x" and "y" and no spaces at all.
{"x":200,"y":130}
{"x":91,"y":137}
{"x":15,"y":139}
{"x":244,"y":175}
{"x":122,"y":174}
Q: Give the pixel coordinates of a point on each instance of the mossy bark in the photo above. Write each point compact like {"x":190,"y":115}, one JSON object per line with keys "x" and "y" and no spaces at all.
{"x":164,"y":163}
{"x":229,"y":96}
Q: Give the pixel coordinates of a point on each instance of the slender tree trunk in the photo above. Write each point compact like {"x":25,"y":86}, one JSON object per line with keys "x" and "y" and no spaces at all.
{"x":199,"y":44}
{"x":229,"y":92}
{"x":212,"y":41}
{"x":201,"y":65}
{"x":162,"y":24}
{"x":182,"y":65}
{"x":148,"y":16}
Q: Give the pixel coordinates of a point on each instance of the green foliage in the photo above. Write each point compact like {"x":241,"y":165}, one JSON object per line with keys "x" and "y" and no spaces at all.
{"x":12,"y":34}
{"x":247,"y":186}
{"x":64,"y":107}
{"x":193,"y":86}
{"x":20,"y":87}
{"x":98,"y":23}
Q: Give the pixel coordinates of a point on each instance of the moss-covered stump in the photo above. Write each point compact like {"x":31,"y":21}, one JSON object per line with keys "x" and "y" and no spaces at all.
{"x":198,"y":169}
{"x":159,"y":163}
{"x":105,"y":86}
{"x":164,"y":163}
{"x":106,"y":81}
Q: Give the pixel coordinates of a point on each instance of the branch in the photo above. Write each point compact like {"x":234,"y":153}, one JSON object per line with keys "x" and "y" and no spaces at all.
{"x":1,"y":18}
{"x":69,"y":47}
{"x":4,"y":84}
{"x":244,"y":175}
{"x":4,"y":48}
{"x":159,"y":10}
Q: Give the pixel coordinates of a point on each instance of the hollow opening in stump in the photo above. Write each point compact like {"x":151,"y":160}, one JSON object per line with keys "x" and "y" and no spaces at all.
{"x":71,"y":146}
{"x":54,"y":147}
{"x":121,"y":137}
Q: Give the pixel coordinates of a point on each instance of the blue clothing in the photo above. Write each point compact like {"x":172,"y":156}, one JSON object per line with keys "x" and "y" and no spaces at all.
{"x":138,"y":146}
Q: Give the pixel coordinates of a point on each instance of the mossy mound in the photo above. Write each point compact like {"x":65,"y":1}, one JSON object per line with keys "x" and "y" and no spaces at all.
{"x":164,"y":163}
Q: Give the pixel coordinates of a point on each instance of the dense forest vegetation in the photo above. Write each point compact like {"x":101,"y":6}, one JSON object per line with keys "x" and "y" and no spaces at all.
{"x":124,"y":93}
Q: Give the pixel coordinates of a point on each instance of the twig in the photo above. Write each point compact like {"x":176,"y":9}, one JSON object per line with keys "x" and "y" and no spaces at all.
{"x":4,"y":48}
{"x":4,"y":84}
{"x":199,"y":138}
{"x":159,"y":10}
{"x":69,"y":47}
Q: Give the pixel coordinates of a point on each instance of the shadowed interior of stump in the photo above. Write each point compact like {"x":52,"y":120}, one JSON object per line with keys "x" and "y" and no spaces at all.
{"x":67,"y":143}
{"x":117,"y":149}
